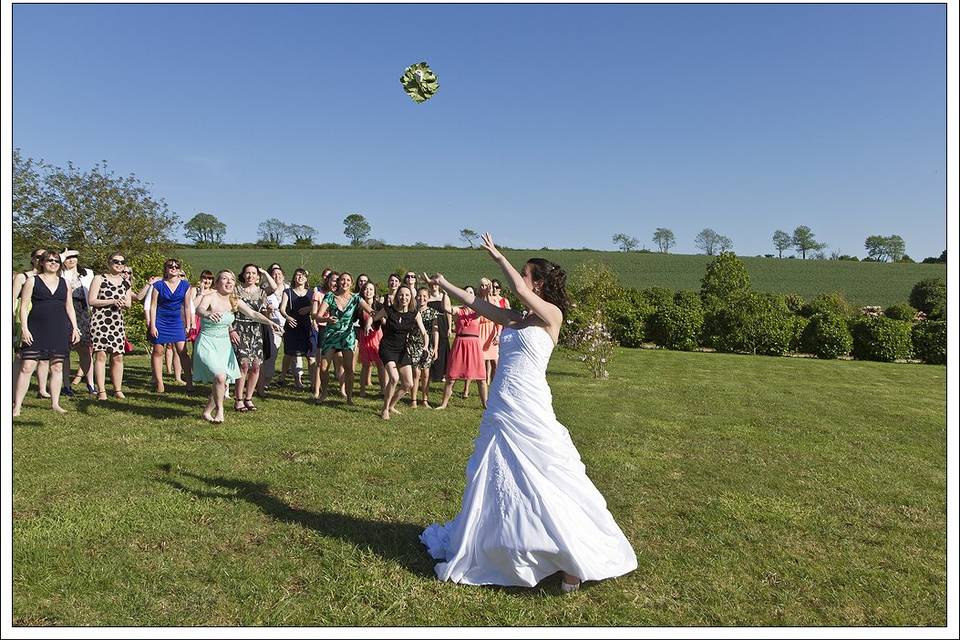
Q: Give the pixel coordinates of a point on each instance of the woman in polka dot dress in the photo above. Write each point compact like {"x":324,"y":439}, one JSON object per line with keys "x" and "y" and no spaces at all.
{"x":109,"y":295}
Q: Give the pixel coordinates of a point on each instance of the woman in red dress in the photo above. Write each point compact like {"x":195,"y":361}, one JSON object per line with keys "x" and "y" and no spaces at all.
{"x":465,"y":361}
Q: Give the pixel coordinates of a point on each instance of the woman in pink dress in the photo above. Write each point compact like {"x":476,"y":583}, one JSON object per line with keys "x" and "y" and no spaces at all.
{"x":369,"y":343}
{"x":465,"y":361}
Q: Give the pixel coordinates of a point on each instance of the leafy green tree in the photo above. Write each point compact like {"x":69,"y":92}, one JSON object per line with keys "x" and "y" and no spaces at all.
{"x":273,"y":231}
{"x":803,"y":240}
{"x":469,"y":236}
{"x":896,"y":247}
{"x":205,"y":228}
{"x":625,"y":242}
{"x":781,"y":242}
{"x":726,"y":278}
{"x":664,"y":239}
{"x":303,"y":234}
{"x":94,"y":211}
{"x":356,"y":227}
{"x":708,"y":241}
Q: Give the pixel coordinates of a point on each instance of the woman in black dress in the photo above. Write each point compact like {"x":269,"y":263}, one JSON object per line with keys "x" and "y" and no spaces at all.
{"x":48,"y":329}
{"x":402,"y":318}
{"x":440,"y":301}
{"x":295,"y":307}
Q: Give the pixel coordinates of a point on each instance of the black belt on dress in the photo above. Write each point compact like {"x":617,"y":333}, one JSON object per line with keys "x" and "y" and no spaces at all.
{"x":468,"y":335}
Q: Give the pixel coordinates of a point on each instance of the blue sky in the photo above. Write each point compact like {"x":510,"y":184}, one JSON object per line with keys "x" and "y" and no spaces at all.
{"x":554,"y":125}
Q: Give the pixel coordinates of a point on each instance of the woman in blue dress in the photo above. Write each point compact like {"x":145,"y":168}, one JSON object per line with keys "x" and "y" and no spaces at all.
{"x":214,"y":359}
{"x":170,"y":320}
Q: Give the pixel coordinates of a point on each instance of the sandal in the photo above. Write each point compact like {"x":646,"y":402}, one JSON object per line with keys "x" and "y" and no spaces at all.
{"x":101,"y":395}
{"x":239,"y":406}
{"x":249,"y":404}
{"x":119,"y":395}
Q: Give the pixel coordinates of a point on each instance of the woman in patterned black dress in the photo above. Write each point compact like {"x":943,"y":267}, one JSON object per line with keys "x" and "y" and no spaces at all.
{"x":48,"y":327}
{"x":246,"y":335}
{"x":109,"y":295}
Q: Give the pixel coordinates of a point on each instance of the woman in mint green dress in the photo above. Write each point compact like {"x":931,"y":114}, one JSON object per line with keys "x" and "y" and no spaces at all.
{"x":213,"y":356}
{"x":340,"y":340}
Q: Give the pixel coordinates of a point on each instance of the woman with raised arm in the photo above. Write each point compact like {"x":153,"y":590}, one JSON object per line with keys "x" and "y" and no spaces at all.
{"x":465,"y":361}
{"x":402,"y":318}
{"x":214,"y":359}
{"x":109,"y":297}
{"x":340,"y":340}
{"x":48,"y":327}
{"x":529,"y":510}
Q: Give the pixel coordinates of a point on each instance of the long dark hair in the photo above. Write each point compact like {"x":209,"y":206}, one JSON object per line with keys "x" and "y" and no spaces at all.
{"x":554,"y":279}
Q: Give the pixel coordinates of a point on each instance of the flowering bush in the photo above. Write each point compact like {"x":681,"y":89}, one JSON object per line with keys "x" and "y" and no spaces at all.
{"x":594,"y":345}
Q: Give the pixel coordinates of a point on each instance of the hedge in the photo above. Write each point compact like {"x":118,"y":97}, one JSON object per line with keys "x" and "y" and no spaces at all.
{"x":930,"y":341}
{"x":881,"y":339}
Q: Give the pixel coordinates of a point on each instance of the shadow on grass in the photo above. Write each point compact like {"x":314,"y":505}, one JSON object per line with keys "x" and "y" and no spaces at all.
{"x":394,"y":541}
{"x":83,"y":406}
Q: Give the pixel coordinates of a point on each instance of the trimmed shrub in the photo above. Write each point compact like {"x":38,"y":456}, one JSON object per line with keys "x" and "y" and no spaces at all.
{"x":657,"y":297}
{"x":754,"y":323}
{"x":930,"y":341}
{"x":796,"y":339}
{"x":901,"y":311}
{"x":829,"y":303}
{"x":678,"y":325}
{"x":726,"y":279}
{"x":930,"y":296}
{"x":827,"y":336}
{"x":881,"y":339}
{"x":627,"y":320}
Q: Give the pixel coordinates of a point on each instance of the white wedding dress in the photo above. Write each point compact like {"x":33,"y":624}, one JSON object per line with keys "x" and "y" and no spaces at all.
{"x":529,"y":509}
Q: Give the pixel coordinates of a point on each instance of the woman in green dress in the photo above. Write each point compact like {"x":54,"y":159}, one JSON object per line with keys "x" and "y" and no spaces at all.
{"x":339,"y":341}
{"x":214,"y":359}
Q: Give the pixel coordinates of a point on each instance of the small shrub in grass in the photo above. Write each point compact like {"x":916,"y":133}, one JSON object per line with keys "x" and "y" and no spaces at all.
{"x":594,"y":345}
{"x":678,"y":325}
{"x":831,"y":303}
{"x":827,"y":336}
{"x":930,"y":296}
{"x":627,"y":321}
{"x":881,"y":339}
{"x":901,"y":311}
{"x":754,"y":323}
{"x":930,"y":341}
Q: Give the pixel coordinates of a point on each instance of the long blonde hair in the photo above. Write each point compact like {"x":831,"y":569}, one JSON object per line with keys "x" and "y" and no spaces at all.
{"x":396,"y":300}
{"x":232,"y":296}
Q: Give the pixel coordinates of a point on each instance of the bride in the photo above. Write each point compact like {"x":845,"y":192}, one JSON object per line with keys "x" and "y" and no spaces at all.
{"x":529,"y":510}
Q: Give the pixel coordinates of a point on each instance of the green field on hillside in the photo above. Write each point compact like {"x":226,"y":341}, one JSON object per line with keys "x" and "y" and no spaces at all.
{"x":755,"y":491}
{"x":863,"y":283}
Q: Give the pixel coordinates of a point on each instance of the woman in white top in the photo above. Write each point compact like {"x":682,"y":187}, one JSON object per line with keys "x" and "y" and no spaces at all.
{"x":79,"y":280}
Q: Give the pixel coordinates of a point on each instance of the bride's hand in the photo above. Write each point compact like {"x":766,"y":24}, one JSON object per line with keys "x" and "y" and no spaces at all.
{"x":490,"y":247}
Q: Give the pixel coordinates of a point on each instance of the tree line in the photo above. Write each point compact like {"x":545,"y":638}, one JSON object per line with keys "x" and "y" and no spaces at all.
{"x":803,"y":240}
{"x":96,"y":211}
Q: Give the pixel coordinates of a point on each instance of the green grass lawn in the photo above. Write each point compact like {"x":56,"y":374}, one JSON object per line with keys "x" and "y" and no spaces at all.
{"x":865,"y":283}
{"x":756,"y":491}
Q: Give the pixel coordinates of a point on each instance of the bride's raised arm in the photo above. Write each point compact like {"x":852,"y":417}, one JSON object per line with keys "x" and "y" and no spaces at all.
{"x":484,"y":308}
{"x":546,"y":311}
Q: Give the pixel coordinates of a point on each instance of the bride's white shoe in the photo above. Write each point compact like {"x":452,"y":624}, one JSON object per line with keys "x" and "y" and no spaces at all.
{"x":569,"y":587}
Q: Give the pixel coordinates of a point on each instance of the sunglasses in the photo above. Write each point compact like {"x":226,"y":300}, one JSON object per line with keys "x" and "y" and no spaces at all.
{"x":172,"y":265}
{"x":115,"y":261}
{"x":496,"y":286}
{"x":53,"y":260}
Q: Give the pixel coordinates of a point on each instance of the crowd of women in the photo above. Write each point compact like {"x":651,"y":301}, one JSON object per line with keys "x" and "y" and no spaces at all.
{"x":229,"y":331}
{"x":528,"y":510}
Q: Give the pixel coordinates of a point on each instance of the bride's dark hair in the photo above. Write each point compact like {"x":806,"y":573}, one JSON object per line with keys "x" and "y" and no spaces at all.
{"x":554,"y":279}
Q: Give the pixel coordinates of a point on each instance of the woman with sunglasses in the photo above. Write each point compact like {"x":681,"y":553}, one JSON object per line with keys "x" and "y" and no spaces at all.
{"x":48,"y":328}
{"x":79,"y":279}
{"x":109,"y":296}
{"x":43,"y":367}
{"x":170,"y":321}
